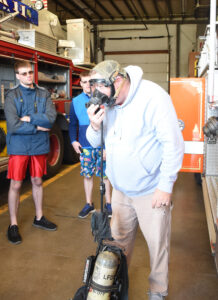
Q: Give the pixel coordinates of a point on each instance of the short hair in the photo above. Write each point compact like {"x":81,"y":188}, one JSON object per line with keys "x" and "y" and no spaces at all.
{"x":85,"y":73}
{"x":21,"y":64}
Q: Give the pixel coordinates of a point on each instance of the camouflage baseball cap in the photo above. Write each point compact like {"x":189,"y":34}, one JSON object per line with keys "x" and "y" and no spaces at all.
{"x":109,"y":69}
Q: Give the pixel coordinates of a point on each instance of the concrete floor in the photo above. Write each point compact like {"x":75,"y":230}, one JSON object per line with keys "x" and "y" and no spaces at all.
{"x":49,"y":265}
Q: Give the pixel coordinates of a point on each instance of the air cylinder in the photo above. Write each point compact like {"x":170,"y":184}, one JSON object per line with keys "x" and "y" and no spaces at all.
{"x":103,"y":275}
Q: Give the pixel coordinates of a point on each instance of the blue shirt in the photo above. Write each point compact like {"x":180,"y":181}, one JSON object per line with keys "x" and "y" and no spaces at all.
{"x":79,"y":120}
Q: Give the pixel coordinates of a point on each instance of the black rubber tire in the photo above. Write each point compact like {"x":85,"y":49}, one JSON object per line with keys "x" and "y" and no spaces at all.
{"x":198,"y":178}
{"x":70,"y":156}
{"x":2,"y":139}
{"x":55,"y":157}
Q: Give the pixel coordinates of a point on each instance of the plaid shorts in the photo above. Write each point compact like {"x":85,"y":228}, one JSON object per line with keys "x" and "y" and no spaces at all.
{"x":90,"y":160}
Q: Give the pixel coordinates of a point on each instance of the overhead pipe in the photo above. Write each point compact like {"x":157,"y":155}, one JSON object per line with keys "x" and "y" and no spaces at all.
{"x":9,"y":34}
{"x":9,"y":17}
{"x":136,"y":37}
{"x":183,"y":8}
{"x":178,"y":50}
{"x":212,"y":39}
{"x":169,"y":57}
{"x":12,"y":34}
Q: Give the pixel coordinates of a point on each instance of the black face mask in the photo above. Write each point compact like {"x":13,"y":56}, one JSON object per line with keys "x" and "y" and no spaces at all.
{"x":99,"y":98}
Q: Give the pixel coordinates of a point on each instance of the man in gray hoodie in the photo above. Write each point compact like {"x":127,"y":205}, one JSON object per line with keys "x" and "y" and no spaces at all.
{"x":144,"y":154}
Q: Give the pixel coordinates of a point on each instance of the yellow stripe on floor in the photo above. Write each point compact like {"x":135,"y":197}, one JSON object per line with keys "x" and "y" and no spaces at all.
{"x":66,"y":170}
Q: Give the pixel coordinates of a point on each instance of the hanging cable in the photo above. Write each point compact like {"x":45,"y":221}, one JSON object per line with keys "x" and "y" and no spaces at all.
{"x":137,"y":37}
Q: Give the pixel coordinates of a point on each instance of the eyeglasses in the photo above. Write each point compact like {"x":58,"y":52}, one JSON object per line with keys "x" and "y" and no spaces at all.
{"x":26,"y":73}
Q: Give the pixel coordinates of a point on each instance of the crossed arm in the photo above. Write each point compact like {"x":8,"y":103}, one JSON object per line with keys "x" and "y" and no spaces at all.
{"x":27,"y":119}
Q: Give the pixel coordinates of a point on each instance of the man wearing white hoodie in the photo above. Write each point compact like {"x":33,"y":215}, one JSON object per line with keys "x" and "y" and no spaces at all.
{"x":145,"y":149}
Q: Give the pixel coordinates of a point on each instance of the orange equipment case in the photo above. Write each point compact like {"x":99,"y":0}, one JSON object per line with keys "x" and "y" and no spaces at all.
{"x":188,"y":96}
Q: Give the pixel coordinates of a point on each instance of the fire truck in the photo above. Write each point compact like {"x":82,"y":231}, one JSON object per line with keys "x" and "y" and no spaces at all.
{"x":53,"y":71}
{"x":196,"y":103}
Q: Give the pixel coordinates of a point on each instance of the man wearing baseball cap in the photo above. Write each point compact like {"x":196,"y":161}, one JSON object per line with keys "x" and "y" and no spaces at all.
{"x":144,"y":154}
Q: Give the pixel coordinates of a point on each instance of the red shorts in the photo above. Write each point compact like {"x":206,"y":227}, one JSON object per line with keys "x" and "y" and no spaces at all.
{"x":17,"y":166}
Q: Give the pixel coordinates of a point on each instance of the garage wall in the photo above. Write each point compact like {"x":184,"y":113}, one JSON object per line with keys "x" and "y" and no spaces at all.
{"x":136,"y":38}
{"x":188,"y":43}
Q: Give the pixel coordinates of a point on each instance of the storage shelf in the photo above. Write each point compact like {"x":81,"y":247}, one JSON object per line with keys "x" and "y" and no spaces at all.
{"x":60,"y":99}
{"x":76,"y":87}
{"x":51,"y":80}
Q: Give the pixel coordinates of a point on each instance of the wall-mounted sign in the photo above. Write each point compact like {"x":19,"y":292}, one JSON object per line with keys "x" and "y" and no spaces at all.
{"x":25,"y":12}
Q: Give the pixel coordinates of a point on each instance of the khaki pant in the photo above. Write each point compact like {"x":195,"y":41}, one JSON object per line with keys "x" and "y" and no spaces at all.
{"x":155,"y":224}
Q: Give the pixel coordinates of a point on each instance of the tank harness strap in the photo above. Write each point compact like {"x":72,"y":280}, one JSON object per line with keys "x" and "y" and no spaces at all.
{"x":104,"y":289}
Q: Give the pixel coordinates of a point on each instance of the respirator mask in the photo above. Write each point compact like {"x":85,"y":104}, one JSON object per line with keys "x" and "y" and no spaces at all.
{"x":99,"y":98}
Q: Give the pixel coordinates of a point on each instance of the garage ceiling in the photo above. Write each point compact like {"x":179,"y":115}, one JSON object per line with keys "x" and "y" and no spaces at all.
{"x":132,"y":11}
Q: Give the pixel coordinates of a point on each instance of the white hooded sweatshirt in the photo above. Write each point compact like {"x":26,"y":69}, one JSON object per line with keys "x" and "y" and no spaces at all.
{"x":143,"y":142}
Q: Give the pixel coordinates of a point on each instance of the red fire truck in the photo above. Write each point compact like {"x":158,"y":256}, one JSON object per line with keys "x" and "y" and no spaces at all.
{"x":196,"y":103}
{"x":56,"y":73}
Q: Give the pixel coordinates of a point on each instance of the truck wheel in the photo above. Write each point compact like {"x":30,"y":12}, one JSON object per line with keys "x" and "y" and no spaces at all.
{"x":2,"y":139}
{"x":198,"y":178}
{"x":55,"y":156}
{"x":70,"y":156}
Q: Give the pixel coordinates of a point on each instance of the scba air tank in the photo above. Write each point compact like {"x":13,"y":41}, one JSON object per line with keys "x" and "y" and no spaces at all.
{"x":103,"y":275}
